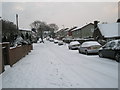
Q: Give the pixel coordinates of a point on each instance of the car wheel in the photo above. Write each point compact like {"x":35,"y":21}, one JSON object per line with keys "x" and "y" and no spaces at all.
{"x":79,"y":51}
{"x":117,"y":57}
{"x":86,"y":52}
{"x":100,"y":55}
{"x":69,"y":47}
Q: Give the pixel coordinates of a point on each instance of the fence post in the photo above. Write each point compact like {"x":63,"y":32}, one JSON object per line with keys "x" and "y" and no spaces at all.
{"x":1,"y":60}
{"x":5,"y":53}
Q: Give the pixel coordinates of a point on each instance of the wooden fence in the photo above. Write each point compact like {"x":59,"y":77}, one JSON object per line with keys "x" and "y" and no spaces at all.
{"x":12,"y":55}
{"x":15,"y":54}
{"x":1,"y":63}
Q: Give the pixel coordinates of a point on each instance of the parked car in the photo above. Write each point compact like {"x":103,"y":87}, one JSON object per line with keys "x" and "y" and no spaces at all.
{"x":60,"y":42}
{"x":89,"y":47}
{"x":111,"y":50}
{"x":55,"y":41}
{"x":47,"y":38}
{"x":51,"y":39}
{"x":74,"y":45}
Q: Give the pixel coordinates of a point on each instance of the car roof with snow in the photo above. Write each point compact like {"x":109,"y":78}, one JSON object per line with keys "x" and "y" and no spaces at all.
{"x":74,"y":43}
{"x":55,"y":40}
{"x":89,"y":43}
{"x":116,"y":41}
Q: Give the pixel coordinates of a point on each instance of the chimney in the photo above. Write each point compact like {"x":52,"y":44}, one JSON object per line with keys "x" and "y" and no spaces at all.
{"x":95,"y":24}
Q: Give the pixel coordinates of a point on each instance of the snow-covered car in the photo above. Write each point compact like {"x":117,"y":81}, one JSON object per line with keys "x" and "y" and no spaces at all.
{"x":74,"y":45}
{"x":47,"y":38}
{"x":111,"y":50}
{"x":60,"y":42}
{"x":55,"y":41}
{"x":51,"y":39}
{"x":89,"y":47}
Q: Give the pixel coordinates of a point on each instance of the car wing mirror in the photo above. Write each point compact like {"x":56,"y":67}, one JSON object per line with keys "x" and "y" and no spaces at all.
{"x":103,"y":47}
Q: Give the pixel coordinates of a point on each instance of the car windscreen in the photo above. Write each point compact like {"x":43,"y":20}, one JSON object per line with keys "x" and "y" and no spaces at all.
{"x":112,"y":44}
{"x":118,"y":44}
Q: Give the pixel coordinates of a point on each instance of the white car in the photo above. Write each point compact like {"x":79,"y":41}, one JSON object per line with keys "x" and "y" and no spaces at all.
{"x":60,"y":42}
{"x":51,"y":39}
{"x":89,"y":47}
{"x":56,"y":41}
{"x":47,"y":38}
{"x":74,"y":45}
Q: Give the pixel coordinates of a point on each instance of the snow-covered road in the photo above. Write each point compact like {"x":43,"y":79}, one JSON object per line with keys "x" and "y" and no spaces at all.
{"x":53,"y":66}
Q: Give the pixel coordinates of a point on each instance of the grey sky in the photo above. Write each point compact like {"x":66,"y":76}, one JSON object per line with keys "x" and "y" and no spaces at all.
{"x":62,"y":13}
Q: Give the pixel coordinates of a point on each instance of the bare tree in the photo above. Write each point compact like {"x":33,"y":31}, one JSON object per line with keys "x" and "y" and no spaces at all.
{"x":40,"y":26}
{"x":53,"y":27}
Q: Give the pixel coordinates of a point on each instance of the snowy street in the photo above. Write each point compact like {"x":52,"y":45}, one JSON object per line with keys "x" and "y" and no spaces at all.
{"x":52,"y":66}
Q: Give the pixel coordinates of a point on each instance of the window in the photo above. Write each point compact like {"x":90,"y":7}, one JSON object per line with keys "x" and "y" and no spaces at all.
{"x":118,"y":43}
{"x":112,"y":44}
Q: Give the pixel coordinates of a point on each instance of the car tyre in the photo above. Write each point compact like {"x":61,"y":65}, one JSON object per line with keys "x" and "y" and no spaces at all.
{"x":69,"y":47}
{"x":117,"y":57}
{"x":86,"y":52}
{"x":79,"y":50}
{"x":100,"y":55}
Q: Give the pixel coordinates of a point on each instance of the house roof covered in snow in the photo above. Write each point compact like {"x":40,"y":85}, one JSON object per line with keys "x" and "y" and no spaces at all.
{"x":72,"y":28}
{"x":109,"y":30}
{"x":23,"y":29}
{"x":58,"y":30}
{"x":79,"y":28}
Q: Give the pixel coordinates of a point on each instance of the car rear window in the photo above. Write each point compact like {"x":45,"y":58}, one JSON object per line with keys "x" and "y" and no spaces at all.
{"x":118,"y":43}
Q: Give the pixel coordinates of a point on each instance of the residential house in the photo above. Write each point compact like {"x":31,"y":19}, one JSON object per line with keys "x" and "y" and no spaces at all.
{"x":85,"y":31}
{"x":59,"y":33}
{"x":70,"y":31}
{"x":65,"y":33}
{"x":24,"y":32}
{"x":62,"y":33}
{"x":106,"y":32}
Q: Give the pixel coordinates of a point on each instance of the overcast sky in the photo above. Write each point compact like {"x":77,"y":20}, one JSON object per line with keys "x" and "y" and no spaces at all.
{"x":61,"y":13}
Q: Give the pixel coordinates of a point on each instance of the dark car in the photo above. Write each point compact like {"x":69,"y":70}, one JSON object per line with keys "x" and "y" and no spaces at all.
{"x":111,"y":50}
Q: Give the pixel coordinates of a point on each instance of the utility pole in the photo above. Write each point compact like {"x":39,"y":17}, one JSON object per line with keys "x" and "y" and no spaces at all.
{"x":17,"y":21}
